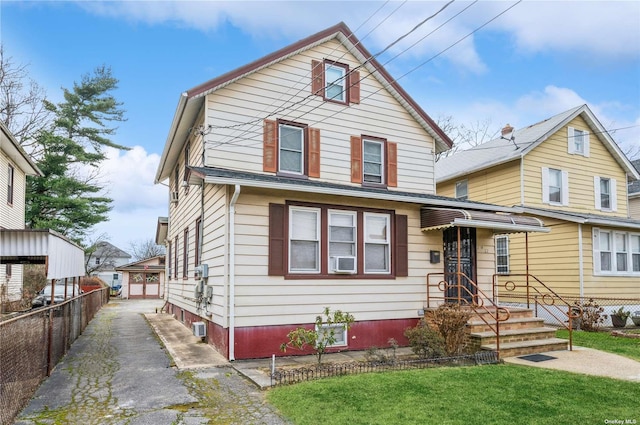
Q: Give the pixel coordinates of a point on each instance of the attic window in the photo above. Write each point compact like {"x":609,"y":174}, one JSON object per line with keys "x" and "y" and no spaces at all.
{"x":335,"y":82}
{"x":578,"y":142}
{"x":462,"y":192}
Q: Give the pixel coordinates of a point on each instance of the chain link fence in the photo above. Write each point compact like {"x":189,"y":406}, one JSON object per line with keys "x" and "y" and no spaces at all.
{"x":555,"y":313}
{"x":33,"y":343}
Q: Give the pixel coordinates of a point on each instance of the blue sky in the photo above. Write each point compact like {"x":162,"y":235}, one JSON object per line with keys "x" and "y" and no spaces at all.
{"x":536,"y":60}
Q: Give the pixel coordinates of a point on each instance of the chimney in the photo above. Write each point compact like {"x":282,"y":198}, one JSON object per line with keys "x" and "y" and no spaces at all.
{"x":507,"y":130}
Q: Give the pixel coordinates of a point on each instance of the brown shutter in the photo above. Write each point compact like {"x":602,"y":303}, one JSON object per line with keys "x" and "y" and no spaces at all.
{"x":402,"y":246}
{"x":354,"y":89}
{"x":270,"y":146}
{"x":392,"y":164}
{"x":277,"y":240}
{"x":356,"y":159}
{"x":314,"y":152}
{"x":317,"y":78}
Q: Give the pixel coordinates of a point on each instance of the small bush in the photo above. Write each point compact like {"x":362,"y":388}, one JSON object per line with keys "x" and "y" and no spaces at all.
{"x":388,"y":355}
{"x":322,"y":336}
{"x":425,"y":342}
{"x":451,"y":320}
{"x":591,"y":317}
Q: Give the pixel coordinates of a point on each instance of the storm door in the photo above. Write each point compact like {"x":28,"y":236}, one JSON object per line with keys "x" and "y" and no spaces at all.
{"x":459,"y":288}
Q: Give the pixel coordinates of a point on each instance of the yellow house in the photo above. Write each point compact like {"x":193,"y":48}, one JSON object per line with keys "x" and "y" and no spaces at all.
{"x":569,"y":172}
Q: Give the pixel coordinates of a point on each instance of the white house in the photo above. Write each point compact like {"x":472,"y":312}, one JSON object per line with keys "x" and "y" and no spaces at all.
{"x":305,"y":180}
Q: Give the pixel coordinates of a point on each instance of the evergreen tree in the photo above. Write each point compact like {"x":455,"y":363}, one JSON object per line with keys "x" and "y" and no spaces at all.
{"x":68,"y":198}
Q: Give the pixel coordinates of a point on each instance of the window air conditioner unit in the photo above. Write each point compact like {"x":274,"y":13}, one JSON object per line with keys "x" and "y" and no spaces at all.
{"x":344,"y":264}
{"x":199,"y":329}
{"x":174,"y":196}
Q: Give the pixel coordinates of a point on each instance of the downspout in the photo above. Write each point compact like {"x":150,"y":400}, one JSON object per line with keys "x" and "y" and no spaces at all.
{"x":580,"y":261}
{"x":232,"y":271}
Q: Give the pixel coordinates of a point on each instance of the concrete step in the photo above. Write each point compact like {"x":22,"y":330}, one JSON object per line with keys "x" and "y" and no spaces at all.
{"x":515,"y":335}
{"x":521,"y":323}
{"x":514,"y":313}
{"x":521,"y":348}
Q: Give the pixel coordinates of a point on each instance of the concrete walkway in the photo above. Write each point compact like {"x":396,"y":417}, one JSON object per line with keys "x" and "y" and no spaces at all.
{"x":118,"y":372}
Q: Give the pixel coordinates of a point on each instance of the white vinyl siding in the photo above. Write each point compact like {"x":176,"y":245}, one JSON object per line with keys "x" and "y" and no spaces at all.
{"x":236,"y":142}
{"x":616,"y":253}
{"x":605,"y":194}
{"x":555,"y":186}
{"x":578,"y":142}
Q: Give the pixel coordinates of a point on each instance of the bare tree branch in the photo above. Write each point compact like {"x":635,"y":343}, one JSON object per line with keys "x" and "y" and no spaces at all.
{"x":143,"y":249}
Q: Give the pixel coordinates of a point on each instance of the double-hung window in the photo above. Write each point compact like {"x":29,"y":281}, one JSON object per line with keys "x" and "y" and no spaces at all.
{"x":502,"y":254}
{"x":578,"y":141}
{"x":342,"y":241}
{"x":185,"y":254}
{"x":10,"y":177}
{"x":462,"y":192}
{"x":373,"y":161}
{"x":621,"y":252}
{"x":616,"y":253}
{"x":635,"y":253}
{"x":292,"y":153}
{"x":604,"y":189}
{"x":377,"y":243}
{"x":336,"y":82}
{"x":304,"y":240}
{"x":555,"y":186}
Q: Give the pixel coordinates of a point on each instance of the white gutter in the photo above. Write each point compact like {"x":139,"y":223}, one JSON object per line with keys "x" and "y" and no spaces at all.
{"x":499,"y":226}
{"x":389,"y":196}
{"x":232,"y":271}
{"x":580,"y":261}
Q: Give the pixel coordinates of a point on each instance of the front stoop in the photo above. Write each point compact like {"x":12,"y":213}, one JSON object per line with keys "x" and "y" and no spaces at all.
{"x":522,"y":334}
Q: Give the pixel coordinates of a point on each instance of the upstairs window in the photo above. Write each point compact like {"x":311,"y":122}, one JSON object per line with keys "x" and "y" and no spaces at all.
{"x":291,"y":148}
{"x":335,"y":82}
{"x":578,"y":142}
{"x":462,"y":192}
{"x":604,"y":190}
{"x":187,"y":153}
{"x":185,"y":254}
{"x":555,"y":186}
{"x":10,"y":175}
{"x":374,"y":161}
{"x":291,"y":153}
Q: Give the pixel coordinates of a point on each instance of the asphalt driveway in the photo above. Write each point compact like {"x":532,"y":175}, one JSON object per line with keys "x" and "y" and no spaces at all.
{"x":118,"y":372}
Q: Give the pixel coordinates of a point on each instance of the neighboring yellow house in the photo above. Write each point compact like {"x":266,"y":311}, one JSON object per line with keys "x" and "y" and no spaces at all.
{"x":634,"y":195}
{"x":569,"y":172}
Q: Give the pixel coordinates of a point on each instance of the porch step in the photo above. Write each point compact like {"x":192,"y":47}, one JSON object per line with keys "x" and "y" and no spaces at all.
{"x":520,"y":348}
{"x":476,"y":325}
{"x":515,"y":335}
{"x":514,"y":313}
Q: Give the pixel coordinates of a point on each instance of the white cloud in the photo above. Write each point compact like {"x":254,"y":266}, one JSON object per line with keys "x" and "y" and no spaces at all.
{"x":128,"y":177}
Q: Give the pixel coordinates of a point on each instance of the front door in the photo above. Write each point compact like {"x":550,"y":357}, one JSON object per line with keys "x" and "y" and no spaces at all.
{"x":458,"y":285}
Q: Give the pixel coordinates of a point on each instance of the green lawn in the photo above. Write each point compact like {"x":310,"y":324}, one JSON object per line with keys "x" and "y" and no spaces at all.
{"x":496,"y":394}
{"x":627,"y":347}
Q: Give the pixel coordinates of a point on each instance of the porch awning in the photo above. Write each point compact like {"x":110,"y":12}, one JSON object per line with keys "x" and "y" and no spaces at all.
{"x":27,"y":246}
{"x":441,"y":218}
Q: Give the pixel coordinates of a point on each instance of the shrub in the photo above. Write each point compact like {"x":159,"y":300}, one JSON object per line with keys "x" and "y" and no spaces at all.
{"x":591,"y":317}
{"x":322,"y":336}
{"x":451,"y":320}
{"x":425,"y":342}
{"x":374,"y":354}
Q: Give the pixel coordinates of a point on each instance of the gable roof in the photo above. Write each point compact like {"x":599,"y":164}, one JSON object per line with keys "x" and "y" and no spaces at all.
{"x":191,"y":101}
{"x":500,"y":151}
{"x":104,"y":247}
{"x":13,"y":150}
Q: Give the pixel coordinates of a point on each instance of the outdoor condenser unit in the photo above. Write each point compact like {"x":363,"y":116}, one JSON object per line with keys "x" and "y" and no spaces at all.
{"x":199,"y":329}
